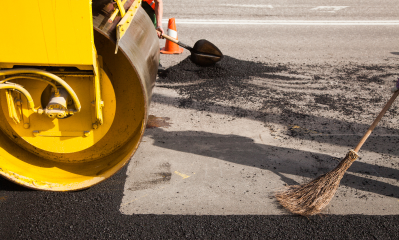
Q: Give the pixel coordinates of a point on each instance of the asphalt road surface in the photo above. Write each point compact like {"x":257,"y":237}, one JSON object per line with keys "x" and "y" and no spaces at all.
{"x":299,"y":85}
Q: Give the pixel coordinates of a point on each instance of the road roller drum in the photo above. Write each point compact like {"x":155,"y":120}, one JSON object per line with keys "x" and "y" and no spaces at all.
{"x":75,"y":86}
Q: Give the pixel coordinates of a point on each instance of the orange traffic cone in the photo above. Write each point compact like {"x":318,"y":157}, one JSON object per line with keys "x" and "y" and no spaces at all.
{"x":170,"y":47}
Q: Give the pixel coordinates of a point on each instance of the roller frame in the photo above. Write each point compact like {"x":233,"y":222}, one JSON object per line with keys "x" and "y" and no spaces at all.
{"x":140,"y":48}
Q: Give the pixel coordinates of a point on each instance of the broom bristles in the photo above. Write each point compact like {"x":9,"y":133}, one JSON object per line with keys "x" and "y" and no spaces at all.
{"x":309,"y":199}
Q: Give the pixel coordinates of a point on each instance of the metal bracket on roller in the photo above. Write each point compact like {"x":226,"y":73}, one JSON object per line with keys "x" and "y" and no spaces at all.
{"x":14,"y":114}
{"x":116,"y":11}
{"x":124,"y":24}
{"x":120,"y":7}
{"x":99,"y":103}
{"x":38,"y":133}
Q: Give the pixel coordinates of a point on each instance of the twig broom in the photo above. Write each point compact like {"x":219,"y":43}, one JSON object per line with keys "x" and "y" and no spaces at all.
{"x":311,"y":198}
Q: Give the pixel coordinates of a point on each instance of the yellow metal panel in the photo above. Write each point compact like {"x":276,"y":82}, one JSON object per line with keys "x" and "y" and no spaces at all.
{"x":20,"y":36}
{"x":47,"y":32}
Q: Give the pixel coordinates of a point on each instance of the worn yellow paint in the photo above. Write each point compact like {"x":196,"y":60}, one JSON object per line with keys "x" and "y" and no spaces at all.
{"x":182,"y":175}
{"x":47,"y":33}
{"x":304,"y":130}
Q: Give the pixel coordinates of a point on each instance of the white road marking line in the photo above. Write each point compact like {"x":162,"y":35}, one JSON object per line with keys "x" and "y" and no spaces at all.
{"x":286,"y":22}
{"x":247,"y":5}
{"x":331,"y":9}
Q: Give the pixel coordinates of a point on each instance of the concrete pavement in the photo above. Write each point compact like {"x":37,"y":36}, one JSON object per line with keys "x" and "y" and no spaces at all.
{"x":228,"y":154}
{"x":213,"y":164}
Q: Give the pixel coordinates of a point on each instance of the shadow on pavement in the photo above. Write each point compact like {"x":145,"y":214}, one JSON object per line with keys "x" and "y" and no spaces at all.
{"x":343,"y":133}
{"x":244,"y":151}
{"x":338,"y":102}
{"x":7,"y":185}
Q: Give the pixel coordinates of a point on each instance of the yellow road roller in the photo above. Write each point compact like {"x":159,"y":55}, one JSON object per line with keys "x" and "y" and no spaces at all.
{"x":76,"y":79}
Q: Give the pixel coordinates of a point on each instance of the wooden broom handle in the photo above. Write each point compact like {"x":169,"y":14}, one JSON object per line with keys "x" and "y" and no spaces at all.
{"x":371,"y":128}
{"x":169,"y":38}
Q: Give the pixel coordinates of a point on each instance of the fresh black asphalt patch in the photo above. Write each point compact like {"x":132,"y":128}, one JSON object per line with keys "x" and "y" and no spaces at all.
{"x":94,"y":214}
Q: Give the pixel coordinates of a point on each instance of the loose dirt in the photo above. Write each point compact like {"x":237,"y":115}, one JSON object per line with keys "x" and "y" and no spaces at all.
{"x":346,"y":97}
{"x":313,"y":113}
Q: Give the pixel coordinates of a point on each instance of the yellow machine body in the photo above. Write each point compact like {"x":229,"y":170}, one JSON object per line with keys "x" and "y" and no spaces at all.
{"x":47,"y":33}
{"x":72,"y":112}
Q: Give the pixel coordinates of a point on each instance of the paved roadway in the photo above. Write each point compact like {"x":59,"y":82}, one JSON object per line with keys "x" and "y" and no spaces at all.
{"x":204,"y":176}
{"x":286,"y":31}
